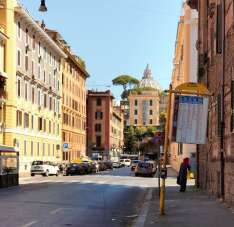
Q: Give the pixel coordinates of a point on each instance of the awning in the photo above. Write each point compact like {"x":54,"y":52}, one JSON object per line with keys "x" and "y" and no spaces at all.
{"x":3,"y":74}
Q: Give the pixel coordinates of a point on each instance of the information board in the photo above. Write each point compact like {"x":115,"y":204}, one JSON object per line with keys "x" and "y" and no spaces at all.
{"x":190,"y":119}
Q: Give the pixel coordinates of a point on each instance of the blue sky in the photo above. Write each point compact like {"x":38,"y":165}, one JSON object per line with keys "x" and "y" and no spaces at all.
{"x":116,"y":36}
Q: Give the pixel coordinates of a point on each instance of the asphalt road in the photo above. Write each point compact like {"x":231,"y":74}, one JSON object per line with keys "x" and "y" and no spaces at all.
{"x":112,"y":198}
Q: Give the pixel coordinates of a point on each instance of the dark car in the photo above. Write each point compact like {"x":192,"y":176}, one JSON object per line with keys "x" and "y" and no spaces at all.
{"x":102,"y":166}
{"x":88,"y":168}
{"x":108,"y":164}
{"x":73,"y":169}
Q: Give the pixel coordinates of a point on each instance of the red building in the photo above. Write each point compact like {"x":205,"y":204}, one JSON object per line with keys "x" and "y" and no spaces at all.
{"x":104,"y":124}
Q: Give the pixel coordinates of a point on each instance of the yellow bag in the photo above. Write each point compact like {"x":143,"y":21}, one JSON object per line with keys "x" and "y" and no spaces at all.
{"x":190,"y":175}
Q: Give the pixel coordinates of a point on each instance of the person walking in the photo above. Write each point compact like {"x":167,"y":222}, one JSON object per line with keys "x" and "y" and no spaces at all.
{"x":184,"y":167}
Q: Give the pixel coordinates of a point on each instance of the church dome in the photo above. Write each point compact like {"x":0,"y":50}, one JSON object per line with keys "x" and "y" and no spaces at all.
{"x":148,"y":80}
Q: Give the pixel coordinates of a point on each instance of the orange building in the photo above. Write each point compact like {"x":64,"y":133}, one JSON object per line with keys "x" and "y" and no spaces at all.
{"x":74,"y":77}
{"x":185,"y":70}
{"x":105,"y":123}
{"x":144,"y":102}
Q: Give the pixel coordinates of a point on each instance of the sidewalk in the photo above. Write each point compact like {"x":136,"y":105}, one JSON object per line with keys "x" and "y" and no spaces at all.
{"x":190,"y":209}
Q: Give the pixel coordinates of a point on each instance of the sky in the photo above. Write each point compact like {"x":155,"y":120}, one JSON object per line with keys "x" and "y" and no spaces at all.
{"x":116,"y":37}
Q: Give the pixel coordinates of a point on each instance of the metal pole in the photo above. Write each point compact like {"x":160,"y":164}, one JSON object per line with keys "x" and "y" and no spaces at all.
{"x":167,"y":128}
{"x":159,"y":170}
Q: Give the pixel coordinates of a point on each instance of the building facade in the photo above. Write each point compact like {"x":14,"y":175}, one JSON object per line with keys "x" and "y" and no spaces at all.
{"x":184,"y":70}
{"x":144,"y":102}
{"x":105,"y":124}
{"x":33,"y":104}
{"x":74,"y":77}
{"x":216,"y":59}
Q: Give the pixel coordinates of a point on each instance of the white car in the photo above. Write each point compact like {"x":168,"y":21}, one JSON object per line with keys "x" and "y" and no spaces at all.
{"x":126,"y":162}
{"x":44,"y":168}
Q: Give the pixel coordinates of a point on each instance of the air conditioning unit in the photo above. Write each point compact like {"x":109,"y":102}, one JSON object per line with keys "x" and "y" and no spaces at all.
{"x":39,"y":58}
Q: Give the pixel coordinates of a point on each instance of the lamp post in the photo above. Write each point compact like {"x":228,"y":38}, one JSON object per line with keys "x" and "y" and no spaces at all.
{"x":43,"y":7}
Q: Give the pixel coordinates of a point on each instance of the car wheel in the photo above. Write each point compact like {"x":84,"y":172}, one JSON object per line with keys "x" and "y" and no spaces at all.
{"x":32,"y":174}
{"x":136,"y":174}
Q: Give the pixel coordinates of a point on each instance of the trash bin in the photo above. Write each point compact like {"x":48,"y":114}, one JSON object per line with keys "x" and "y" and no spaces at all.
{"x":9,"y":166}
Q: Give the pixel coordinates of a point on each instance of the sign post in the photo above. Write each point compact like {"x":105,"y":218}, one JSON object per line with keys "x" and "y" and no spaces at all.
{"x":188,"y":111}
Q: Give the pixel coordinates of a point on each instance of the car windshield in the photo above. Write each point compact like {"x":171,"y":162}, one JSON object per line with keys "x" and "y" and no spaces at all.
{"x":144,"y":165}
{"x":135,"y":161}
{"x":35,"y":163}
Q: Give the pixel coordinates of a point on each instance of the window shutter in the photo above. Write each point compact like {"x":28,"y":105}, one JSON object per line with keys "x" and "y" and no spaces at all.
{"x":219,"y":29}
{"x":219,"y":103}
{"x":232,"y":105}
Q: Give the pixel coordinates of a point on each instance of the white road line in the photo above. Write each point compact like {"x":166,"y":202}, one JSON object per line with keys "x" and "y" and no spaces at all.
{"x":55,"y":211}
{"x":140,"y":221}
{"x":29,"y":224}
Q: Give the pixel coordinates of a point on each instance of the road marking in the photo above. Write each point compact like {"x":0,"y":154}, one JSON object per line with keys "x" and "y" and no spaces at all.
{"x":140,"y":221}
{"x":55,"y":211}
{"x":29,"y":224}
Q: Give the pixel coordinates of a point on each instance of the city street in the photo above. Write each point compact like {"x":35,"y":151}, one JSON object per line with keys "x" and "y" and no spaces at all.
{"x":111,"y":198}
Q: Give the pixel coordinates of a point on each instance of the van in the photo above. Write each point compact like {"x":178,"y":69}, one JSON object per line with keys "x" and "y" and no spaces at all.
{"x":125,"y":162}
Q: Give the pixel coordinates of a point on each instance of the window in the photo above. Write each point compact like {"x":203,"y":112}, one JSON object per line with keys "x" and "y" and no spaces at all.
{"x":32,"y":68}
{"x":98,"y":115}
{"x":99,"y":101}
{"x":26,"y":36}
{"x":49,"y":126}
{"x":31,"y":148}
{"x":25,"y":148}
{"x":19,"y":30}
{"x":38,"y":149}
{"x":219,"y":29}
{"x":26,"y":62}
{"x":135,"y":121}
{"x":32,"y":122}
{"x":39,"y":72}
{"x":135,"y":112}
{"x":39,"y":97}
{"x":50,"y":103}
{"x":43,"y":149}
{"x":180,"y":148}
{"x":18,"y":58}
{"x":33,"y":95}
{"x":98,"y":141}
{"x":98,"y":127}
{"x":45,"y":100}
{"x":151,"y":112}
{"x":34,"y":42}
{"x":151,"y":121}
{"x":26,"y":120}
{"x":26,"y":91}
{"x":39,"y":48}
{"x":44,"y":125}
{"x":151,"y":102}
{"x":48,"y":149}
{"x":18,"y":118}
{"x":136,"y":103}
{"x":40,"y":123}
{"x":18,"y":88}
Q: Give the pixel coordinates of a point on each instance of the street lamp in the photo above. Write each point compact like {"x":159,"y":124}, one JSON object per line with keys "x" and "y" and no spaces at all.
{"x":43,"y":7}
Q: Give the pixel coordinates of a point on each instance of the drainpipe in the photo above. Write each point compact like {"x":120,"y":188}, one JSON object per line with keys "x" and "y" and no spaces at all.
{"x":222,"y":161}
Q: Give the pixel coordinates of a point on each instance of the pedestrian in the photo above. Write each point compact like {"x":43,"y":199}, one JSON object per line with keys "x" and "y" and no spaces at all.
{"x":182,"y":177}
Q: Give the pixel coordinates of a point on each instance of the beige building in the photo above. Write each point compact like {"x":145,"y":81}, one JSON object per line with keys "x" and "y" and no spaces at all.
{"x":74,"y":77}
{"x":33,"y":102}
{"x":144,"y":102}
{"x":185,"y":70}
{"x":105,"y":124}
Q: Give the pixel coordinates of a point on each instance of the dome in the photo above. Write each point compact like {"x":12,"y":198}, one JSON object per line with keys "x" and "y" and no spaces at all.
{"x":148,"y":80}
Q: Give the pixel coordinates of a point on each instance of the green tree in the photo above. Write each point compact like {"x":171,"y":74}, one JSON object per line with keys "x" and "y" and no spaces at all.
{"x":130,"y":145}
{"x":125,"y":81}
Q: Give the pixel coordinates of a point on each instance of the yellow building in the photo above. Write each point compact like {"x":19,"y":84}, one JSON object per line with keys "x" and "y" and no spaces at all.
{"x":144,"y":102}
{"x":185,"y":70}
{"x":33,"y":88}
{"x":74,"y":77}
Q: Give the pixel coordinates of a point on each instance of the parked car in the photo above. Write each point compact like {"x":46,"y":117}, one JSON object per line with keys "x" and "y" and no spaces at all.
{"x":102,"y":166}
{"x":44,"y":168}
{"x":108,"y":165}
{"x":134,"y":164}
{"x":116,"y":164}
{"x":87,"y":166}
{"x":74,"y":169}
{"x":145,"y":169}
{"x":125,"y":162}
